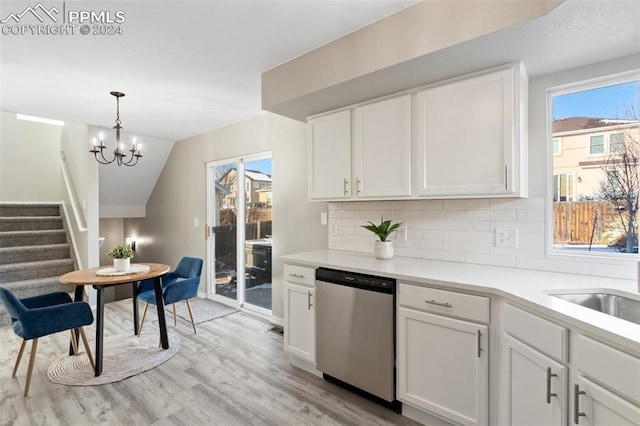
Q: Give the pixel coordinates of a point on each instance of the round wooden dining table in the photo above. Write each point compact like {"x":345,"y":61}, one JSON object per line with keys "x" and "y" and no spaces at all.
{"x":90,"y":277}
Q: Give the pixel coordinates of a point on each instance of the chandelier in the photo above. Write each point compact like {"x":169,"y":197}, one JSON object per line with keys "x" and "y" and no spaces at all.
{"x":119,"y":153}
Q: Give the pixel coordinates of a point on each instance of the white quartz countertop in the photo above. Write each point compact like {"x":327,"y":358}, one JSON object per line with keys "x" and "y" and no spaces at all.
{"x":525,"y":287}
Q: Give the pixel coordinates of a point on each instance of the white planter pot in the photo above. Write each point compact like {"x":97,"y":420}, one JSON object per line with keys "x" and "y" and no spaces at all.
{"x":383,"y":250}
{"x":121,"y":265}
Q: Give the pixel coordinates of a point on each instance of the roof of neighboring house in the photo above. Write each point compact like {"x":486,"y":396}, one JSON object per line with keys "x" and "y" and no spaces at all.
{"x":221,"y":188}
{"x":582,"y":123}
{"x":256,"y":175}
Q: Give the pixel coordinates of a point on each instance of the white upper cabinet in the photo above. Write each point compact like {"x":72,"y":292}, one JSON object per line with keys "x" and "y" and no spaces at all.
{"x":470,"y":136}
{"x":382,"y":148}
{"x":372,"y":161}
{"x":329,"y":139}
{"x":456,"y":139}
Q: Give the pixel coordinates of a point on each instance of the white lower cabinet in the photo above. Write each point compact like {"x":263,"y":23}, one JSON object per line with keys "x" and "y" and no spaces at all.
{"x":537,"y":386}
{"x":443,"y":364}
{"x":300,"y":313}
{"x":594,"y":405}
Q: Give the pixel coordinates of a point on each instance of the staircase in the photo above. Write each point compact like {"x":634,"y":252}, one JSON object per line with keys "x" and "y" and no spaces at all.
{"x":34,"y":250}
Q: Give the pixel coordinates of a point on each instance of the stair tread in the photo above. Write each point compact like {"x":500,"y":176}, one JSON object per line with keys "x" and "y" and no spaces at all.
{"x":35,"y":282}
{"x":39,"y":263}
{"x":32,"y":218}
{"x":35,"y":232}
{"x":42,"y":247}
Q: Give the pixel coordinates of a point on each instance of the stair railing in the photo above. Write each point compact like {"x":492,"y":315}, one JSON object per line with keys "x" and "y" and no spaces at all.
{"x":71,"y":196}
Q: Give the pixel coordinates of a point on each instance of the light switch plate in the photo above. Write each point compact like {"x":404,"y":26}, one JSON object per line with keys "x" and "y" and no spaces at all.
{"x":323,"y":218}
{"x":507,"y":237}
{"x":196,"y":222}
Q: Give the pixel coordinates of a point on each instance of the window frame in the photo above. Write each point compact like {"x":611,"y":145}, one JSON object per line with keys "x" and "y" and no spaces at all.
{"x":559,"y":153}
{"x":564,"y":89}
{"x":603,"y":144}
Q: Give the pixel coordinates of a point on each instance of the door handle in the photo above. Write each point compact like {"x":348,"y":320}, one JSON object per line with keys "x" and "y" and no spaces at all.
{"x":549,"y":376}
{"x":296,"y":275}
{"x":358,"y":185}
{"x":309,"y":305}
{"x":576,"y":404}
{"x":479,"y":343}
{"x":346,"y":187}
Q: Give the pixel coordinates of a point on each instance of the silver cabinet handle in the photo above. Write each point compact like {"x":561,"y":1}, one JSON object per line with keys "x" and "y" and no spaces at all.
{"x":346,"y":186}
{"x":576,"y":404}
{"x":296,"y":275}
{"x":309,"y":305}
{"x":433,"y":302}
{"x":358,"y":185}
{"x":506,"y":177}
{"x":479,"y":343}
{"x":549,"y":376}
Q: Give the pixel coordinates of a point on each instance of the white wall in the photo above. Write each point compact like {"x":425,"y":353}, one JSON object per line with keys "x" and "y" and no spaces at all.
{"x":463,"y":230}
{"x":83,"y":170}
{"x":29,"y":166}
{"x":167,"y":233}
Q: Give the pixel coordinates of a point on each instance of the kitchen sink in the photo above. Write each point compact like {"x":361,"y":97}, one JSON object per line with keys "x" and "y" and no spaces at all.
{"x":611,"y":304}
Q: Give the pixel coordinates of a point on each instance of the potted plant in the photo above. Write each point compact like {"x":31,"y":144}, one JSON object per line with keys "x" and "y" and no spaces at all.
{"x":122,"y":255}
{"x":382,"y":248}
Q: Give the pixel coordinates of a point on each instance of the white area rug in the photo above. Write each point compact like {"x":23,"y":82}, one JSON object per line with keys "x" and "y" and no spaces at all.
{"x":124,"y":356}
{"x":203,"y":310}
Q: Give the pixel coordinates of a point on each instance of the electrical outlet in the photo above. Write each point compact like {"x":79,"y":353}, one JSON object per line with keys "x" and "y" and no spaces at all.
{"x":323,"y":218}
{"x":507,"y":237}
{"x":401,"y":233}
{"x":334,"y":229}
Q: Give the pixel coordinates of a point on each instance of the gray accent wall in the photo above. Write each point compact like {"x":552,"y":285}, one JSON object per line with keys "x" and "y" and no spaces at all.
{"x":168,"y":232}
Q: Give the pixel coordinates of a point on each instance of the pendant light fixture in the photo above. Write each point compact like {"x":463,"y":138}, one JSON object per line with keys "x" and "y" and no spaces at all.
{"x":120,"y":155}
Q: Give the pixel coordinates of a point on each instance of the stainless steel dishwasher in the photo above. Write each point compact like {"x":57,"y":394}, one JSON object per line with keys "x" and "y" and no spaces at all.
{"x":355,"y":333}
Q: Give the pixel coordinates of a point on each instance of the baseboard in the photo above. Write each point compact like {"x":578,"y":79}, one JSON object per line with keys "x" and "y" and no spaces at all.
{"x":277,"y":321}
{"x":423,"y":417}
{"x":305,"y":365}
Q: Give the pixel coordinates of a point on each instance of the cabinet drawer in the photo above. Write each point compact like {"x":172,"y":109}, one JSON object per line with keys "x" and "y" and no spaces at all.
{"x":613,"y":368}
{"x":299,"y":274}
{"x":544,"y":335}
{"x":475,"y":308}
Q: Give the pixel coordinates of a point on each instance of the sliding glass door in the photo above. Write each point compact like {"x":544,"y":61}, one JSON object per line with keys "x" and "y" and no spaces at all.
{"x":239,"y":193}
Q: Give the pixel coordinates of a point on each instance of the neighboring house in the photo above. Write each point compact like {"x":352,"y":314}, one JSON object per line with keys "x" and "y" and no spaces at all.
{"x":257,"y":188}
{"x":581,"y":146}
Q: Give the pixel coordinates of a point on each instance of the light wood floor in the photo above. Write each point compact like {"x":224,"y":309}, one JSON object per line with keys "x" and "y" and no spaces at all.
{"x":233,"y":372}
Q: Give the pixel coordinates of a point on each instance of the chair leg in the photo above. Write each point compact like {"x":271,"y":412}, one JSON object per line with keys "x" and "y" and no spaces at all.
{"x":74,"y":344}
{"x":144,"y":315}
{"x":175,"y":320}
{"x":15,"y":368}
{"x":87,"y":348}
{"x":193,"y":323}
{"x":32,"y":358}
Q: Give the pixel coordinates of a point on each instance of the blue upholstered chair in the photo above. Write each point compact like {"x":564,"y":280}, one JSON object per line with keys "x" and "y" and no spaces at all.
{"x":181,"y":284}
{"x":38,"y":316}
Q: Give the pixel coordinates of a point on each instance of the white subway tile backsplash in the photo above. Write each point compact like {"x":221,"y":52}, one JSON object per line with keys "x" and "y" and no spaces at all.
{"x":467,"y":204}
{"x":518,"y":203}
{"x":449,"y":256}
{"x":463,"y":231}
{"x":492,"y":215}
{"x":471,"y":225}
{"x":530,"y":215}
{"x":423,"y":205}
{"x":492,"y":260}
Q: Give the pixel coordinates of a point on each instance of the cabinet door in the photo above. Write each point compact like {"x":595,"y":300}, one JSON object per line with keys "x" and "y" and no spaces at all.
{"x":443,"y":366}
{"x":535,"y":386}
{"x":300,"y":321}
{"x":329,"y":138}
{"x":595,"y":406}
{"x":382,"y":148}
{"x":465,"y":136}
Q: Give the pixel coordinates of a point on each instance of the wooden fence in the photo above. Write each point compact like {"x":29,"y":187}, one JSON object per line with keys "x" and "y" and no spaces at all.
{"x":577,"y":222}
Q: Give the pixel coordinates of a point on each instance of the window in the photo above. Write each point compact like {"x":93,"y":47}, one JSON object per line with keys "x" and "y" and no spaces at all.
{"x":563,"y":188}
{"x":593,"y":188}
{"x":596,"y":145}
{"x":616,"y":143}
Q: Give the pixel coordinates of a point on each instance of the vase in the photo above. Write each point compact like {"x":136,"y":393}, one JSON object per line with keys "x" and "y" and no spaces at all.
{"x":383,"y":250}
{"x":121,"y":265}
